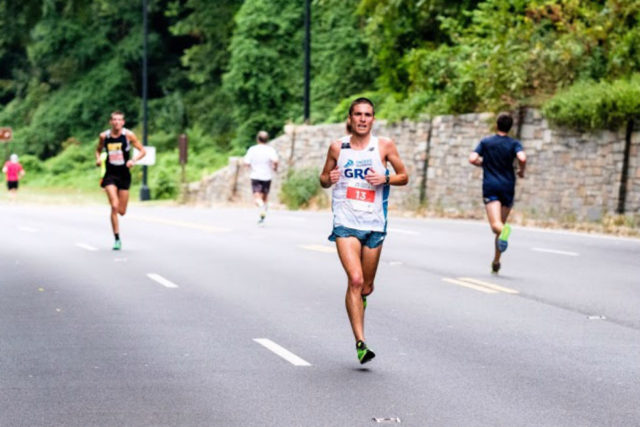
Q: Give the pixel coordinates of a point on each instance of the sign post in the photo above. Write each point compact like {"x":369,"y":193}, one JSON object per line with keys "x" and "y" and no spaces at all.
{"x":6,"y":135}
{"x":183,"y":150}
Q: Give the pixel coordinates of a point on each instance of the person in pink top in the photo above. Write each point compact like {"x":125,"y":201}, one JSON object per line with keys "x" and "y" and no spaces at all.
{"x":14,"y":171}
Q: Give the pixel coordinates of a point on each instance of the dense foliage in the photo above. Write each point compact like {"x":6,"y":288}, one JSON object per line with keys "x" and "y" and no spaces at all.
{"x":225,"y":69}
{"x":299,"y":188}
{"x":588,"y":105}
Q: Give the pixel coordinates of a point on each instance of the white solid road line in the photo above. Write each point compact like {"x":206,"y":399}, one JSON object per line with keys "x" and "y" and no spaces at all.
{"x":87,"y":247}
{"x":164,"y":282}
{"x":282,"y":352}
{"x":555,"y":251}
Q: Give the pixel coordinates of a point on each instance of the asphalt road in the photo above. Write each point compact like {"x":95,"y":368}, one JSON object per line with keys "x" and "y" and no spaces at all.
{"x":206,"y":319}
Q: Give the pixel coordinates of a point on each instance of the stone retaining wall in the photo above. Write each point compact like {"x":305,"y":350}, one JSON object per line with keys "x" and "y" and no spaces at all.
{"x":569,"y":173}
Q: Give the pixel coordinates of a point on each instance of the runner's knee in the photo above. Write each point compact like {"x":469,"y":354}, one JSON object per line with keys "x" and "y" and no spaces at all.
{"x":496,"y":227}
{"x":356,"y":283}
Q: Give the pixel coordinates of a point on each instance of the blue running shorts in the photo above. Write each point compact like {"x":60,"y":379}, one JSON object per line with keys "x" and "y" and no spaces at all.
{"x":370,"y":239}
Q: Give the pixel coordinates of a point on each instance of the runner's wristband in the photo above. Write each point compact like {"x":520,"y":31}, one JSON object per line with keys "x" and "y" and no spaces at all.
{"x":386,"y":180}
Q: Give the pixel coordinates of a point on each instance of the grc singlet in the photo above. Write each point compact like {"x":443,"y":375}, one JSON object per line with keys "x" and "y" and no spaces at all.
{"x":356,"y":203}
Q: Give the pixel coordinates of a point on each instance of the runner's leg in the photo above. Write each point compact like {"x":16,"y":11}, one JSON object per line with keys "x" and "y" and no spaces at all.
{"x":112,"y":195}
{"x":349,"y":251}
{"x":123,"y":198}
{"x":370,"y":260}
{"x":265,"y":206}
{"x":495,"y":214}
{"x":258,"y":199}
{"x":504,"y":214}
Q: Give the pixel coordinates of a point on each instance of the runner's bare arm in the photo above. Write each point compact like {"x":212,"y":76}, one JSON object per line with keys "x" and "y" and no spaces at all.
{"x":139,"y":146}
{"x":475,"y":159}
{"x":99,"y":149}
{"x":330,"y":173}
{"x":390,"y":153}
{"x":522,"y":163}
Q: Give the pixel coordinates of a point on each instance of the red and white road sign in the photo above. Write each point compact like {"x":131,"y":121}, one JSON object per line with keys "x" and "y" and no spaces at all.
{"x":5,"y":134}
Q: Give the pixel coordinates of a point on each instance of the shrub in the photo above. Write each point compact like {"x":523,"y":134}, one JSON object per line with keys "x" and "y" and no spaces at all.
{"x":299,"y":188}
{"x":73,"y":157}
{"x":30,"y":163}
{"x":164,"y":186}
{"x":596,"y":105}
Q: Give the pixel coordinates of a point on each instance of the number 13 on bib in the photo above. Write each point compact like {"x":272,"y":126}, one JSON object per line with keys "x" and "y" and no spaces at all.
{"x":361,"y":199}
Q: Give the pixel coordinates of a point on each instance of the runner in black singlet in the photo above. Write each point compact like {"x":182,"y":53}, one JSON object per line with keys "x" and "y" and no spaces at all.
{"x":117,"y":142}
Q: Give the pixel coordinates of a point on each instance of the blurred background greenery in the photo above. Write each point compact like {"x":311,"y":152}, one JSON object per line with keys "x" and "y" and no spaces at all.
{"x":221,"y":70}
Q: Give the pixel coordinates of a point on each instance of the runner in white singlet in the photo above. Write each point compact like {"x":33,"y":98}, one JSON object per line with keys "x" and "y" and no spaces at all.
{"x":356,"y":203}
{"x":357,"y":166}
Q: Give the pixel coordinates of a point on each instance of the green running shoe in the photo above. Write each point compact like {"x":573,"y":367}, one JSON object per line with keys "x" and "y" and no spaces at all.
{"x":117,"y":245}
{"x":504,"y":236}
{"x":364,"y":302}
{"x":364,"y":353}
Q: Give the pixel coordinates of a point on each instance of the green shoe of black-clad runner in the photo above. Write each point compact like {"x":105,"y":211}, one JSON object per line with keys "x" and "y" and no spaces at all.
{"x":117,"y":245}
{"x":364,"y":353}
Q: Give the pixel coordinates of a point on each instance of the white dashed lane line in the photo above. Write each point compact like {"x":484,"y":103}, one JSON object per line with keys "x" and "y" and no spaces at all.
{"x":86,"y":247}
{"x":282,"y":352}
{"x":184,"y":224}
{"x":479,"y":285}
{"x":403,"y":231}
{"x":555,"y":251}
{"x":164,"y":282}
{"x":320,"y":248}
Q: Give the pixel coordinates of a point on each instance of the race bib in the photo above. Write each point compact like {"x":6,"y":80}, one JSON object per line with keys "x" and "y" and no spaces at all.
{"x":361,"y":195}
{"x":116,"y":156}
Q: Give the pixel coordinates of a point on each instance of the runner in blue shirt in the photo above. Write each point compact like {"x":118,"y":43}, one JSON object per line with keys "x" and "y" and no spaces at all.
{"x":496,"y":154}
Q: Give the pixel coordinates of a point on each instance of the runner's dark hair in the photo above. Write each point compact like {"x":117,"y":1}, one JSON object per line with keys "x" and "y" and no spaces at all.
{"x":504,"y":122}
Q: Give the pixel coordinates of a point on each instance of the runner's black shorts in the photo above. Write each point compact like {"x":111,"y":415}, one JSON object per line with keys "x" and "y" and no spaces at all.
{"x":12,"y":185}
{"x":258,"y":186}
{"x":121,"y":180}
{"x":504,"y":194}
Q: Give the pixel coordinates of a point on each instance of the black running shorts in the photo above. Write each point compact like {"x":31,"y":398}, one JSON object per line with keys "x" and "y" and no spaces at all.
{"x":120,"y":180}
{"x":258,"y":186}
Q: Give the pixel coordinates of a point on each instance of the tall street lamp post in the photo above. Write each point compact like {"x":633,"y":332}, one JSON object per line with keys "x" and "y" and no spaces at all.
{"x":307,"y":57}
{"x":145,"y":194}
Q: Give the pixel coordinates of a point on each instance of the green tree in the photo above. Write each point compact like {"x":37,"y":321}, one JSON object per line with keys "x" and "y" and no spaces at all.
{"x":396,"y":27}
{"x":341,"y":66}
{"x":265,"y":69}
{"x":208,"y":26}
{"x":16,"y":20}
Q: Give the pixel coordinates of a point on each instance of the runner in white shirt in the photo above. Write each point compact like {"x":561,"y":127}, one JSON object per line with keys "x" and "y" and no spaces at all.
{"x":263,"y":161}
{"x":357,"y":165}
